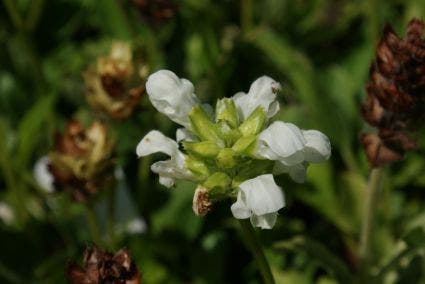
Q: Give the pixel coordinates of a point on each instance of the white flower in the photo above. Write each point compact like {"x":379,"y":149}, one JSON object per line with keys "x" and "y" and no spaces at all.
{"x":292,"y":148}
{"x":43,"y":176}
{"x":259,"y":199}
{"x":168,"y":170}
{"x":281,"y":141}
{"x":172,"y":96}
{"x":261,"y":93}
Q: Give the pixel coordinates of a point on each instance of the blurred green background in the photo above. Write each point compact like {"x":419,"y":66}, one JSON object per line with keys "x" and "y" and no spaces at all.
{"x":320,"y":50}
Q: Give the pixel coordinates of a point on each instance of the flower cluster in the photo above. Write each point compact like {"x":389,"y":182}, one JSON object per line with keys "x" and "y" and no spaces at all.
{"x":104,"y":267}
{"x":232,"y":152}
{"x":113,"y":85}
{"x":81,"y":162}
{"x":395,"y":102}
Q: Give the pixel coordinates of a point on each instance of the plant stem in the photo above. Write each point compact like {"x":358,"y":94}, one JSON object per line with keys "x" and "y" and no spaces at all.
{"x":92,"y":223}
{"x":111,"y":217}
{"x":368,"y":219}
{"x":246,"y":15}
{"x":256,"y":249}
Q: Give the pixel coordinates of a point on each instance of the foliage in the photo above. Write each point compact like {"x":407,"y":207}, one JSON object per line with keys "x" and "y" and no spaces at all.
{"x":319,"y":50}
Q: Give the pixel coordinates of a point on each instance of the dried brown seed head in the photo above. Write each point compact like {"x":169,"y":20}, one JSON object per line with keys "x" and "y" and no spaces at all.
{"x":82,"y":160}
{"x":103,"y":267}
{"x":395,"y":101}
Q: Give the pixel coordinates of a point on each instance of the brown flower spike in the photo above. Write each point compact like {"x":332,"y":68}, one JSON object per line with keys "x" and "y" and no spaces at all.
{"x":395,"y":102}
{"x":155,"y":12}
{"x":114,"y":87}
{"x":82,"y":160}
{"x":100,"y":267}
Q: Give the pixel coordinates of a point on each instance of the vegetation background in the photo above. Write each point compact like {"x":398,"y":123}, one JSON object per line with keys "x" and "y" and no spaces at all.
{"x":320,"y":50}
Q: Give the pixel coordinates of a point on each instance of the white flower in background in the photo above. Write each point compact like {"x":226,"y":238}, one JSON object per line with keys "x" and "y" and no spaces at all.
{"x":171,"y":96}
{"x":6,"y":213}
{"x":259,"y":199}
{"x":43,"y":176}
{"x":168,"y":170}
{"x":233,"y":152}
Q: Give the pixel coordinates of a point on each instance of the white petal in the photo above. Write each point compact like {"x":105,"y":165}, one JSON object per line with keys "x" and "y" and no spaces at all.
{"x":136,"y":226}
{"x":262,"y":195}
{"x":261,"y":93}
{"x":171,"y":96}
{"x":154,"y":142}
{"x":281,"y":141}
{"x":43,"y":176}
{"x":167,"y":181}
{"x":183,"y":134}
{"x":169,"y":171}
{"x":317,"y":148}
{"x":239,"y":208}
{"x":297,"y":172}
{"x":265,"y":221}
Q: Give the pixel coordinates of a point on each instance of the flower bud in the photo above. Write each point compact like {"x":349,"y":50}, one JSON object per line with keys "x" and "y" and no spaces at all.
{"x":198,"y":168}
{"x":104,"y":267}
{"x":226,"y":111}
{"x":203,"y":126}
{"x":254,"y":123}
{"x":201,"y":203}
{"x":227,"y":159}
{"x":218,"y":183}
{"x":245,"y":144}
{"x":206,"y":149}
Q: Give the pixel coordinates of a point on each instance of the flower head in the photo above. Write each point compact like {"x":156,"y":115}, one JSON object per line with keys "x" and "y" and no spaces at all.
{"x":395,"y":104}
{"x":104,"y":267}
{"x":81,"y":162}
{"x":232,"y":152}
{"x":113,"y":86}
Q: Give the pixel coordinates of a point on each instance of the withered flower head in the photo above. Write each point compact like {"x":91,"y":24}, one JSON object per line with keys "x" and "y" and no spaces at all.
{"x":100,"y":267}
{"x":82,"y":160}
{"x":395,"y":102}
{"x":114,"y":87}
{"x":156,"y":11}
{"x":202,"y":204}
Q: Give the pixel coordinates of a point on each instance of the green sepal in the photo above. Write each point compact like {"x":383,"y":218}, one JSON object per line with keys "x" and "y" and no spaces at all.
{"x":252,"y":169}
{"x":226,"y":111}
{"x":197,"y":167}
{"x":228,"y":134}
{"x":245,"y":144}
{"x":254,"y":123}
{"x":206,"y":149}
{"x":227,"y":158}
{"x":217,"y":184}
{"x":203,"y":126}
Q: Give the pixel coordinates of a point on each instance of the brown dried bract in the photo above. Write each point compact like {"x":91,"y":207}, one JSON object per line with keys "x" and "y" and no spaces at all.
{"x":100,"y":267}
{"x":395,"y":102}
{"x":201,"y":202}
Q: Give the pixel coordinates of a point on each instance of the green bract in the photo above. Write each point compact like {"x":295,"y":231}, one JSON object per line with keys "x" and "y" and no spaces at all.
{"x":222,"y":156}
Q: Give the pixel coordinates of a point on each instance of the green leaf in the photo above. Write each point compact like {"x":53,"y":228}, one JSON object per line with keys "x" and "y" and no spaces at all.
{"x":320,"y":253}
{"x":30,"y":126}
